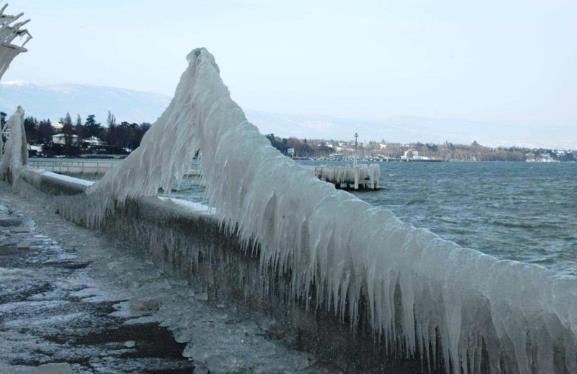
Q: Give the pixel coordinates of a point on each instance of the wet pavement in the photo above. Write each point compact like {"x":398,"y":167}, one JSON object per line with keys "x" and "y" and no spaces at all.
{"x":55,"y":319}
{"x":78,"y":300}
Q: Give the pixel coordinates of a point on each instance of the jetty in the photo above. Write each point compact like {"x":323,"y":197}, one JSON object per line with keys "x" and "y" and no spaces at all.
{"x":351,"y":177}
{"x":355,"y":177}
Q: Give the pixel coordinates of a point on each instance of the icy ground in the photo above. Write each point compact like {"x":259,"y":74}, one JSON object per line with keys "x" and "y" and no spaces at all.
{"x":70,"y":295}
{"x":53,"y":314}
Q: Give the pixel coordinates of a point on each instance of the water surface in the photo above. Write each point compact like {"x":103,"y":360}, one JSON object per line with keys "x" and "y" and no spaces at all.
{"x":512,"y":210}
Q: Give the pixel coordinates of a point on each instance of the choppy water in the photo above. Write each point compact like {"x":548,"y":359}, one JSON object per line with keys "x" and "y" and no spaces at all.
{"x":512,"y":210}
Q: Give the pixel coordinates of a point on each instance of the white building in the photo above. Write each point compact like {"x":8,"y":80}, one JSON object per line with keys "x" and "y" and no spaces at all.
{"x":93,"y":141}
{"x":61,"y":139}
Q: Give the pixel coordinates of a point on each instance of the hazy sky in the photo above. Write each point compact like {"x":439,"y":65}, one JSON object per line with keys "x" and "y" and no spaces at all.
{"x":497,"y":61}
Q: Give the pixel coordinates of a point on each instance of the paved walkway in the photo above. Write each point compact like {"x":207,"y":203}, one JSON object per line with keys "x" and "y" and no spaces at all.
{"x":78,"y":300}
{"x":54,"y":318}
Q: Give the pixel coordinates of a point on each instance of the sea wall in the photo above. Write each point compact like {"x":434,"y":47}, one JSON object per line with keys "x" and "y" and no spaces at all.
{"x":188,"y":241}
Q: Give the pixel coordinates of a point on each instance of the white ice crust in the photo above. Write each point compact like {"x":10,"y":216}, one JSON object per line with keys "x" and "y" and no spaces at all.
{"x":350,"y":174}
{"x":417,"y":288}
{"x":15,"y":154}
{"x":67,"y":178}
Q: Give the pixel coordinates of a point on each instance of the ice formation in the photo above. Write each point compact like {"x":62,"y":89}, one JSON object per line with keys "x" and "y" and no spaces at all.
{"x":10,"y":30}
{"x":369,"y":175}
{"x":15,"y":151}
{"x":420,"y":295}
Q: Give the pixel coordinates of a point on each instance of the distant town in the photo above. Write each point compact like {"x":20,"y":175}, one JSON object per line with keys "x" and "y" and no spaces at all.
{"x":89,"y":138}
{"x":419,"y":152}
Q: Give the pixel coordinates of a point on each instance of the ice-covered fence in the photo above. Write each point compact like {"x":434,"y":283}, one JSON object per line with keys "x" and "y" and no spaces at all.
{"x":13,"y":38}
{"x":419,"y":294}
{"x":15,"y":151}
{"x":186,"y":239}
{"x":93,"y":167}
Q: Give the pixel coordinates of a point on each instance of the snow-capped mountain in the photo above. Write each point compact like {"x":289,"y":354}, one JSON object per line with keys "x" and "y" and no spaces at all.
{"x":134,"y":106}
{"x":416,"y":129}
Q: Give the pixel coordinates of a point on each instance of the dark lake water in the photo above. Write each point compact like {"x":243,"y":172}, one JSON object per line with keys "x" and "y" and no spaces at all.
{"x":513,"y":210}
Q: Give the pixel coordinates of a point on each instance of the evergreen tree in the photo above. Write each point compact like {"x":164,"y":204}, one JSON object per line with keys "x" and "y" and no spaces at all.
{"x":32,"y":132}
{"x":92,"y":127}
{"x":46,"y":132}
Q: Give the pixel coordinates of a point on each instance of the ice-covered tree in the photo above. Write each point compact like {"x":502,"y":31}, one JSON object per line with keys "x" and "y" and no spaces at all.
{"x":13,"y":38}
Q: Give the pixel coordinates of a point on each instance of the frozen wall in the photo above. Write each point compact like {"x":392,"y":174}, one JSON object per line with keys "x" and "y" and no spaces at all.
{"x":420,"y":295}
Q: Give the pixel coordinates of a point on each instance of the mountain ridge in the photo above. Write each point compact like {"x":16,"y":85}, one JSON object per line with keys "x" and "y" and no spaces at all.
{"x":54,"y":101}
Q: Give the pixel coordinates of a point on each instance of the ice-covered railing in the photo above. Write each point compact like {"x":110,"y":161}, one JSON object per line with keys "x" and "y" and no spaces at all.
{"x":15,"y":150}
{"x":13,"y":38}
{"x":419,"y":294}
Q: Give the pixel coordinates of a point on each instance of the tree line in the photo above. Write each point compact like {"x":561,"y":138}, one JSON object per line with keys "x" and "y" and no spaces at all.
{"x":301,"y":148}
{"x":82,"y":136}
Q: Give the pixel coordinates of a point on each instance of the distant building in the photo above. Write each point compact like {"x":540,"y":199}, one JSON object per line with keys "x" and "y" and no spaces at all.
{"x":92,"y":141}
{"x":61,"y":139}
{"x":410,"y":155}
{"x":336,"y":157}
{"x":56,"y":125}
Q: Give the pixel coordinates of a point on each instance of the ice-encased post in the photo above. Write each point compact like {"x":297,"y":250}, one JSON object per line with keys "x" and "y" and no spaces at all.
{"x":13,"y":38}
{"x":15,"y":152}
